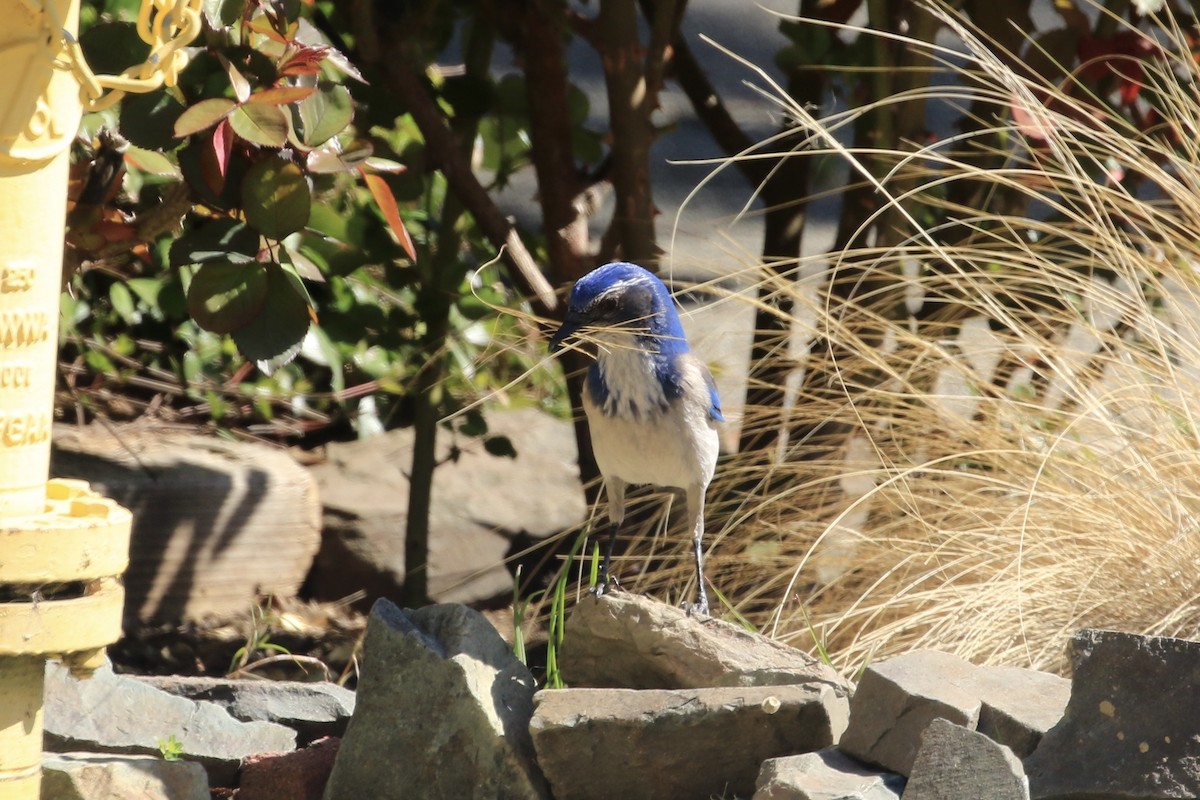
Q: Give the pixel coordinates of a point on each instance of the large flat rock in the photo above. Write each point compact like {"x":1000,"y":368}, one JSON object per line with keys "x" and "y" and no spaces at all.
{"x":111,"y":713}
{"x":480,"y":502}
{"x":622,"y":640}
{"x":685,"y":743}
{"x":216,"y":523}
{"x":313,"y":709}
{"x":107,"y":776}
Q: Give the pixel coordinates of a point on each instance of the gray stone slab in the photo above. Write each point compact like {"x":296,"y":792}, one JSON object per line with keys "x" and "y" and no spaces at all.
{"x":96,"y":776}
{"x":827,"y":774}
{"x":656,"y":743}
{"x":312,"y":709}
{"x":443,"y":710}
{"x":117,"y":714}
{"x":1132,"y":726}
{"x":897,"y":699}
{"x":622,"y":640}
{"x":955,"y":763}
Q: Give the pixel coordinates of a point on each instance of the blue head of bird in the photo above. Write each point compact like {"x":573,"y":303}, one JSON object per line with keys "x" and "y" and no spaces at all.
{"x":641,"y":352}
{"x":622,"y":301}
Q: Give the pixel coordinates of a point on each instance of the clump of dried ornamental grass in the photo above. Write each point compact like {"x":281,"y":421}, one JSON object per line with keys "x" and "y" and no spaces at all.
{"x":1024,"y":461}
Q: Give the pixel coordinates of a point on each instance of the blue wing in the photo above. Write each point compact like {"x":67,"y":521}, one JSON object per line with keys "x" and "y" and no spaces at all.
{"x":714,"y":399}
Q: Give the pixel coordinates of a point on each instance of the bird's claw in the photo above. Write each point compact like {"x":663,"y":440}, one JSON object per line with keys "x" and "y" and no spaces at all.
{"x":695,"y":609}
{"x":605,"y":585}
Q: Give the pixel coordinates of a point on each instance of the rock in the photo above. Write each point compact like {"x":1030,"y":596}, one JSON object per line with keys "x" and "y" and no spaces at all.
{"x":92,"y":776}
{"x":443,"y":711}
{"x":632,"y":642}
{"x":1019,"y":705}
{"x":954,"y":763}
{"x":481,"y":503}
{"x":676,"y":743}
{"x":116,"y":714}
{"x":300,"y":775}
{"x":899,"y":697}
{"x":312,"y":709}
{"x":216,"y":523}
{"x":1129,"y":730}
{"x":827,"y":774}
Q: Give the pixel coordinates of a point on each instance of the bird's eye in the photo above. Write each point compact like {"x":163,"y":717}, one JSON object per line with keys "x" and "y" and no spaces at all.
{"x":606,"y":306}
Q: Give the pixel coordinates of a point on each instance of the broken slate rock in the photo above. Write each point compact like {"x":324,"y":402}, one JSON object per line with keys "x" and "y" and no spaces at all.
{"x":620,"y":640}
{"x":1130,"y":728}
{"x":827,"y":774}
{"x":96,"y":776}
{"x":955,"y":763}
{"x":116,"y":714}
{"x":443,"y":711}
{"x":312,"y":709}
{"x":1019,"y":705}
{"x":681,"y":743}
{"x":299,"y":775}
{"x":897,"y":699}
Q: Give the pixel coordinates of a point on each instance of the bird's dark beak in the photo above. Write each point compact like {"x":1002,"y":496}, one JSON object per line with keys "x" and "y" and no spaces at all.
{"x":566,"y":331}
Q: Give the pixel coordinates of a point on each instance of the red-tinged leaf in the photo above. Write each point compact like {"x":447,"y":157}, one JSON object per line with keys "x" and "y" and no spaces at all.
{"x":214,"y":159}
{"x":391,"y":212}
{"x":223,"y":148}
{"x":303,"y":59}
{"x":203,"y":115}
{"x":261,"y":24}
{"x":282,"y":95}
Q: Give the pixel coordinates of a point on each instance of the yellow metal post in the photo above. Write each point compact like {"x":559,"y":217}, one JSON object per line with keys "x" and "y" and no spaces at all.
{"x":62,"y":548}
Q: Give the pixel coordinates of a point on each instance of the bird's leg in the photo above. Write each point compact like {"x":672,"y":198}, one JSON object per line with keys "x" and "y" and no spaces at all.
{"x":615,"y":489}
{"x":695,"y":501}
{"x":602,"y":584}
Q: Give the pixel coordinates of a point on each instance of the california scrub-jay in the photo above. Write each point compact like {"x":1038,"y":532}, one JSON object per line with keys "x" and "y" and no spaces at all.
{"x":651,"y":405}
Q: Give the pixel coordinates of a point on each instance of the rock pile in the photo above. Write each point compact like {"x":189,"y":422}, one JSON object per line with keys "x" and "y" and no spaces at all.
{"x":661,"y":705}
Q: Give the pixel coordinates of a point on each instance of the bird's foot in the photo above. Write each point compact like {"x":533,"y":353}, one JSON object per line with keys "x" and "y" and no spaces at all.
{"x":606,"y":584}
{"x":696,"y":609}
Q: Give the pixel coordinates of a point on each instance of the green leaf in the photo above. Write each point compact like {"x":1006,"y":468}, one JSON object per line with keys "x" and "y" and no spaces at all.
{"x":225,"y":297}
{"x":203,"y":115}
{"x":222,"y":13}
{"x":274,"y":336}
{"x":325,"y":114}
{"x":264,"y":125}
{"x":122,"y":302}
{"x":152,"y":163}
{"x":276,"y":198}
{"x":146,"y":289}
{"x":109,"y":48}
{"x":320,"y":349}
{"x":223,"y":239}
{"x":148,"y":120}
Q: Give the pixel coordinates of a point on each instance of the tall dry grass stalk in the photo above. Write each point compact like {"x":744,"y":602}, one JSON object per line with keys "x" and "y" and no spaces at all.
{"x":1022,"y":458}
